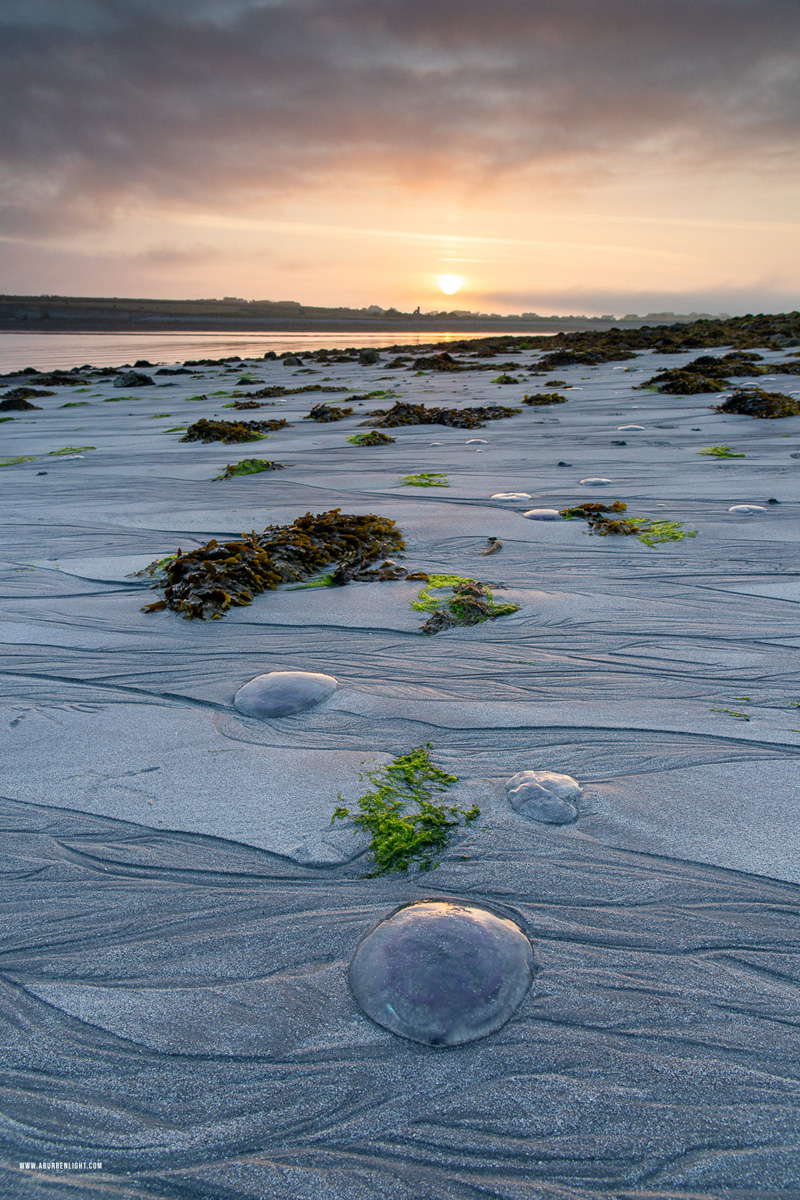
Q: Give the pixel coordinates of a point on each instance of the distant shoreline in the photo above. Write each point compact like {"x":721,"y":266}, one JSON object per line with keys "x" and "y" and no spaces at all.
{"x":194,"y":325}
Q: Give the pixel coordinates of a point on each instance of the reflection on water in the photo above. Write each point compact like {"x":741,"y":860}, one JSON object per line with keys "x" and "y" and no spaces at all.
{"x":48,"y":350}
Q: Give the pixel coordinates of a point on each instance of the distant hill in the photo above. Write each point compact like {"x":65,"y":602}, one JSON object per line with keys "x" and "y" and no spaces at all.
{"x":98,"y":314}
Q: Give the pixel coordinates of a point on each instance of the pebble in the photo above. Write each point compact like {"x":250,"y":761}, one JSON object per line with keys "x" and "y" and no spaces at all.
{"x":543,"y":514}
{"x":544,"y":796}
{"x":442,"y":972}
{"x":281,"y":693}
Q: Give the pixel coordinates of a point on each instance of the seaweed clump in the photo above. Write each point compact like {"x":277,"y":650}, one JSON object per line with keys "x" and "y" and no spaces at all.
{"x":230,"y":431}
{"x":406,"y":826}
{"x":249,"y":466}
{"x":376,"y":438}
{"x":540,"y":398}
{"x":328,"y":412}
{"x":755,"y":402}
{"x":649,"y":531}
{"x":403,"y":413}
{"x":208,"y":581}
{"x":470,"y":603}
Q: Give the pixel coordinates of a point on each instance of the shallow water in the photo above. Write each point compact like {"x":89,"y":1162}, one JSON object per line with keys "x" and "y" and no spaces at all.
{"x":47,"y":351}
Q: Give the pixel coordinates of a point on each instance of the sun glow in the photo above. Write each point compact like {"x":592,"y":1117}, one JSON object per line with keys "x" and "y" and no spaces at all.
{"x":449,"y":284}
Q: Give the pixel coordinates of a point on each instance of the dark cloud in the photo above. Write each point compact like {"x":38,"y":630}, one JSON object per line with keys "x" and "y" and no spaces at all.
{"x":114,"y":101}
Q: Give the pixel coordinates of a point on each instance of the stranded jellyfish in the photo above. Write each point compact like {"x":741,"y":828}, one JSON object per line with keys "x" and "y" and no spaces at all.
{"x":545,"y":796}
{"x":442,"y":972}
{"x":281,"y":693}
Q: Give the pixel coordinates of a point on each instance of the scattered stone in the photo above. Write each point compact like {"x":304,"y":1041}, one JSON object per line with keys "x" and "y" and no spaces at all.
{"x":291,"y":360}
{"x":545,"y":796}
{"x":442,"y":972}
{"x":281,"y":693}
{"x":543,"y":514}
{"x":368,"y":357}
{"x":563,"y":464}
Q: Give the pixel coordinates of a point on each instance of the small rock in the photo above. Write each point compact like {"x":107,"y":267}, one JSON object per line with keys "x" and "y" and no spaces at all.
{"x":619,"y":443}
{"x":134,"y":379}
{"x":563,"y":464}
{"x":795,"y":455}
{"x":368,"y":357}
{"x":772,"y":500}
{"x":281,"y":693}
{"x":543,"y":514}
{"x":544,"y":796}
{"x":291,"y":360}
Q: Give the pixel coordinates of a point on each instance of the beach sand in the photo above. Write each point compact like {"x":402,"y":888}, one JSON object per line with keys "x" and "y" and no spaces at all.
{"x":180,"y":912}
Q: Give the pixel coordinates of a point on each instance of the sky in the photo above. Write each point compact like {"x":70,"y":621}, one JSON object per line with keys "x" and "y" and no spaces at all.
{"x":551,"y":156}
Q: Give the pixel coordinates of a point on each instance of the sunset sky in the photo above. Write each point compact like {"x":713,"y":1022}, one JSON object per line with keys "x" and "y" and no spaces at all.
{"x":551,"y":155}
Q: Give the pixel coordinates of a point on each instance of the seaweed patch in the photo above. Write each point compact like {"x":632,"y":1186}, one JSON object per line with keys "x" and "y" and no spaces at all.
{"x":328,"y":412}
{"x":425,"y":479}
{"x":755,"y":402}
{"x":405,"y":825}
{"x":376,"y":438}
{"x":403,"y":413}
{"x":206,"y":582}
{"x":541,"y":398}
{"x":230,"y":431}
{"x":466,"y":602}
{"x":249,"y":466}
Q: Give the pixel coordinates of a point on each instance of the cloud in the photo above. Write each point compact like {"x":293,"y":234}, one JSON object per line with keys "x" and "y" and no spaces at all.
{"x":765,"y":295}
{"x":159,"y":103}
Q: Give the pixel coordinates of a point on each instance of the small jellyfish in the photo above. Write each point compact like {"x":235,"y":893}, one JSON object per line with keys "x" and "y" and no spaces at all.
{"x":747,"y":510}
{"x":545,"y":796}
{"x":510,"y":496}
{"x":599,"y":482}
{"x":281,"y":693}
{"x":543,"y":514}
{"x":442,"y":972}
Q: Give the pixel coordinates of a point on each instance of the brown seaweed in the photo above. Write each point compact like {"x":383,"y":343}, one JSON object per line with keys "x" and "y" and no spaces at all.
{"x":403,"y":413}
{"x":206,"y":582}
{"x":540,"y":398}
{"x":328,"y":412}
{"x":755,"y":402}
{"x":230,"y":431}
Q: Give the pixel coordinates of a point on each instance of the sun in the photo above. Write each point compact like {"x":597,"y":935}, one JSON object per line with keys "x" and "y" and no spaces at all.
{"x":449,"y":284}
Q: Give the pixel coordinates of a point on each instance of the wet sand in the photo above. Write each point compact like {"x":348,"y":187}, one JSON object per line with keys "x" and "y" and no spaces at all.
{"x":180,"y":913}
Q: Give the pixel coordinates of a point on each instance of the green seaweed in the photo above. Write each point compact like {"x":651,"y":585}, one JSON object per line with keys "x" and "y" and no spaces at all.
{"x":406,"y":826}
{"x":425,"y":479}
{"x":75,"y":404}
{"x":208,"y":581}
{"x":375,"y":438}
{"x":469,"y":603}
{"x":740,"y":716}
{"x":656,"y":532}
{"x":249,"y":466}
{"x":504,"y":378}
{"x":72,"y":450}
{"x":19,"y":458}
{"x":719,"y":452}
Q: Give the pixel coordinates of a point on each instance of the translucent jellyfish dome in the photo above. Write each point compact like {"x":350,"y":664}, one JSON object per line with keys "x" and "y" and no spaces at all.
{"x":442,"y":972}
